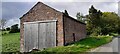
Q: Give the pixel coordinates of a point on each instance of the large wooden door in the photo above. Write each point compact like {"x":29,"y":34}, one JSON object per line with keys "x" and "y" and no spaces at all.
{"x":39,"y":35}
{"x":30,"y":36}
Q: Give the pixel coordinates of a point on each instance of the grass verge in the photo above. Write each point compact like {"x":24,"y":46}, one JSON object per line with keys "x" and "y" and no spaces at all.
{"x":82,"y":45}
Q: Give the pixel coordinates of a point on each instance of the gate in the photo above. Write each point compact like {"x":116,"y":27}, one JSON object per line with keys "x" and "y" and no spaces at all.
{"x":39,"y":35}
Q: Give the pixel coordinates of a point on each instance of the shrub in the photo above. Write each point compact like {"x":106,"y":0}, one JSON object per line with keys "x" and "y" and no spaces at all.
{"x":8,"y":29}
{"x":14,"y":29}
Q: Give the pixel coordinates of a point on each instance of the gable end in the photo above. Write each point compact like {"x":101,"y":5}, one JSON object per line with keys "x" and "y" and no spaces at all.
{"x":35,"y":6}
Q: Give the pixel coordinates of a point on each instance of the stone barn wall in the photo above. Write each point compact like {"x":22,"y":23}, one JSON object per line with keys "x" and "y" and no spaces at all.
{"x":42,"y":12}
{"x":73,"y":30}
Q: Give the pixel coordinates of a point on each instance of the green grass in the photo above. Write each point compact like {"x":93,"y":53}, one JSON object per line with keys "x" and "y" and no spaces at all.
{"x":83,"y":45}
{"x":4,"y":32}
{"x":11,"y":42}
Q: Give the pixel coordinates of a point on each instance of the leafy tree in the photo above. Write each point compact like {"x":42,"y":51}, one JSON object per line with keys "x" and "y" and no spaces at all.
{"x":14,"y":28}
{"x":99,"y":23}
{"x":80,"y":17}
{"x":94,"y":16}
{"x":118,"y":29}
{"x":94,"y":21}
{"x":110,"y":23}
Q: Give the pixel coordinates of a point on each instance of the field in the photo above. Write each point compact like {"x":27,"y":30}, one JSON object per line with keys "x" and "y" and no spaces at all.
{"x":11,"y":43}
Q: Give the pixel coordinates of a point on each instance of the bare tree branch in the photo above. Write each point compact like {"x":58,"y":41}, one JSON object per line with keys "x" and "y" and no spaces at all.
{"x":3,"y":23}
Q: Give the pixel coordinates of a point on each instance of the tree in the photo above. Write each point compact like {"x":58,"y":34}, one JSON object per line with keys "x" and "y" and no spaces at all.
{"x":119,"y":26}
{"x":94,"y":16}
{"x":14,"y":28}
{"x":94,"y":21}
{"x":110,"y":23}
{"x":8,"y":29}
{"x":102,"y":23}
{"x":80,"y":17}
{"x":3,"y":23}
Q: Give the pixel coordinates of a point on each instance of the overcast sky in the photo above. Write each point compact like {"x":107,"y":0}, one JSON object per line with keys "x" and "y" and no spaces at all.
{"x":13,"y":10}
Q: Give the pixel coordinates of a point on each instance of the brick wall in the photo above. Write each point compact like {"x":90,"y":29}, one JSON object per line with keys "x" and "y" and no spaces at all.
{"x":38,"y":13}
{"x":73,"y":29}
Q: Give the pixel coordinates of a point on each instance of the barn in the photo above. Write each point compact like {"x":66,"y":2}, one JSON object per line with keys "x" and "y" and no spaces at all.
{"x":44,"y":27}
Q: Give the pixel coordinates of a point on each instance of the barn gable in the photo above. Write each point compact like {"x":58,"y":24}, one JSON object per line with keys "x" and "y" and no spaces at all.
{"x":41,"y":10}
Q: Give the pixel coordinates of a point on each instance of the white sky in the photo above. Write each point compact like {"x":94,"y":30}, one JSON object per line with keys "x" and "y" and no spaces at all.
{"x":61,"y":0}
{"x":13,"y":11}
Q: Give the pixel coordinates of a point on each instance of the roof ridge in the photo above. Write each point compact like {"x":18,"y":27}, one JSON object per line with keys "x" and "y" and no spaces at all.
{"x":49,"y":7}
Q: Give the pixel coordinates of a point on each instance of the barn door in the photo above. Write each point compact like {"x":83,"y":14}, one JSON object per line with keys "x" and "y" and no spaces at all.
{"x":39,"y":35}
{"x":47,"y":35}
{"x":31,"y":36}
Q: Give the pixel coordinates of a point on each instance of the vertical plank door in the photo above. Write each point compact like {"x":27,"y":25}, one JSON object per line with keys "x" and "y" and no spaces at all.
{"x":30,"y":36}
{"x":39,"y":35}
{"x":47,"y":35}
{"x":27,"y":36}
